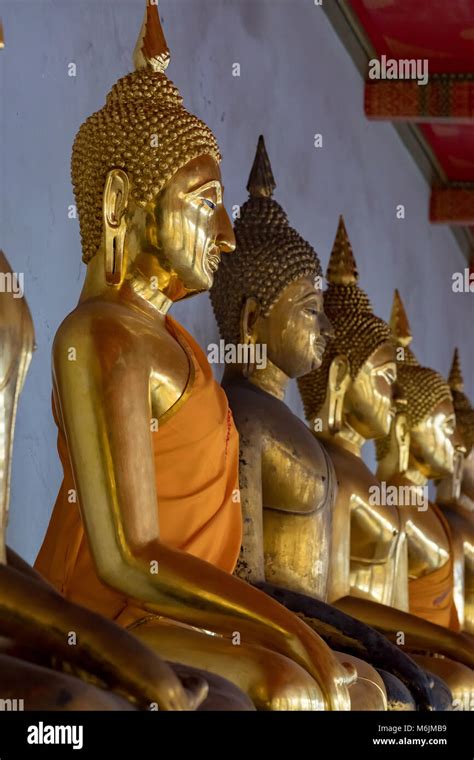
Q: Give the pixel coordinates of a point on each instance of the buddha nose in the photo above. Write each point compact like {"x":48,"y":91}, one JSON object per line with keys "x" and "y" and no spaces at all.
{"x":325,"y":326}
{"x":398,"y":395}
{"x":458,"y":443}
{"x":225,"y":237}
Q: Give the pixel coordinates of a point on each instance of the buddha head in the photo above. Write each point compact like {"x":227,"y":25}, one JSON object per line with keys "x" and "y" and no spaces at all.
{"x":461,"y":485}
{"x":269,"y":291}
{"x":429,"y":407}
{"x":147,"y":180}
{"x":352,"y":389}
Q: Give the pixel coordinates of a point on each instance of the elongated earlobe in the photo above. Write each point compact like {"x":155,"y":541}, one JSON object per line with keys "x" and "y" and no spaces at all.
{"x":249,"y":316}
{"x":339,"y":379}
{"x":115,"y":202}
{"x":457,"y":474}
{"x":402,"y":441}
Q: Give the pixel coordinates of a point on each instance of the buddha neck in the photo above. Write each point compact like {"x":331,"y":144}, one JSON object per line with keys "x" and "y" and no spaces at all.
{"x":462,"y":504}
{"x":269,"y":379}
{"x":349,"y":439}
{"x":412,"y":477}
{"x":142,"y":288}
{"x":346,"y":438}
{"x":139,"y":290}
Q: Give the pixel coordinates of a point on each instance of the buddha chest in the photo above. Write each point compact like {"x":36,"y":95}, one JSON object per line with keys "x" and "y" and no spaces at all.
{"x":172,"y":374}
{"x":298,"y":493}
{"x":462,"y":531}
{"x":368,"y":535}
{"x":428,"y":541}
{"x":297,"y":490}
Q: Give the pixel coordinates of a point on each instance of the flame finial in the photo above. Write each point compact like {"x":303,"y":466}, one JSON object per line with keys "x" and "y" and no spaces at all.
{"x":342,"y":268}
{"x":151,"y":50}
{"x":261,"y":182}
{"x":455,"y":379}
{"x":399,"y":323}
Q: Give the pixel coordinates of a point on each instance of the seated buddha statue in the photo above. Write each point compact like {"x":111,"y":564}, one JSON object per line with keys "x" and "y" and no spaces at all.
{"x":347,"y":401}
{"x":455,"y":494}
{"x":147,"y":525}
{"x":432,"y":443}
{"x":268,"y":295}
{"x":105,"y":668}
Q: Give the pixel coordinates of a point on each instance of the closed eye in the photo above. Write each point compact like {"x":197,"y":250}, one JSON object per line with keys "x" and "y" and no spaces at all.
{"x":389,"y":376}
{"x":449,"y":426}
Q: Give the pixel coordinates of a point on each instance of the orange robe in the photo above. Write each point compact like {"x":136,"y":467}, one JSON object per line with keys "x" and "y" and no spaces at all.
{"x":432,"y":596}
{"x":197,"y":461}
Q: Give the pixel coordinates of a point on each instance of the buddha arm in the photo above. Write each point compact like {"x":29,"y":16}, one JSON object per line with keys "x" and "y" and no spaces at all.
{"x":251,"y":565}
{"x":340,"y":631}
{"x":17,"y":563}
{"x":469,"y":582}
{"x":344,"y":632}
{"x":104,"y":405}
{"x":371,"y":532}
{"x":33,"y":614}
{"x":427,"y":549}
{"x":418,"y":634}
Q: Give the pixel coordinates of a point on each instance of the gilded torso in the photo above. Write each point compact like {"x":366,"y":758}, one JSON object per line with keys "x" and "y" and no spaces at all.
{"x":461,"y":524}
{"x":428,"y":542}
{"x":368,"y":538}
{"x":122,"y":336}
{"x":284,"y":467}
{"x":459,"y":512}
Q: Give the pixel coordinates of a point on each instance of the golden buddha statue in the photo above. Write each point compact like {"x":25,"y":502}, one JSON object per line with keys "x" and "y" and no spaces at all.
{"x":432,"y":438}
{"x":347,"y":401}
{"x":146,"y":437}
{"x":102,"y":667}
{"x":268,"y":294}
{"x":455,"y":493}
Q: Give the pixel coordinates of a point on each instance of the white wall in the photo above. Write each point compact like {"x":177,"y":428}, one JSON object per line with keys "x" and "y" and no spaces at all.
{"x":296,"y":80}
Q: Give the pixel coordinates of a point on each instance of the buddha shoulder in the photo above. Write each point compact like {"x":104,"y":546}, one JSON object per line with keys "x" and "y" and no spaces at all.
{"x":296,"y":473}
{"x":108,"y":340}
{"x":353,"y":476}
{"x":359,"y":487}
{"x":258,"y":412}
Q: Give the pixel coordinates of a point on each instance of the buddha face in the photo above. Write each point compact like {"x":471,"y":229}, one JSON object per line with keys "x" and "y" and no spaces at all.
{"x":467,"y":482}
{"x":296,"y":329}
{"x":188,"y":226}
{"x":433,"y":441}
{"x":368,"y":404}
